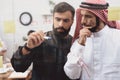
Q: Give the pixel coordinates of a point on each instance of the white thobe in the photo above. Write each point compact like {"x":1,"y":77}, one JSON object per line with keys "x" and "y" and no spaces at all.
{"x":99,"y":59}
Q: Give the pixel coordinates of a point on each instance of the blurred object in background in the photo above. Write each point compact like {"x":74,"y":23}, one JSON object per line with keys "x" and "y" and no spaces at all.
{"x":3,"y":48}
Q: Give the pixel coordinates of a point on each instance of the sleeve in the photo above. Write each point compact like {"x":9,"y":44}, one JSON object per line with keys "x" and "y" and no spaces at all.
{"x":21,"y":62}
{"x":72,"y":67}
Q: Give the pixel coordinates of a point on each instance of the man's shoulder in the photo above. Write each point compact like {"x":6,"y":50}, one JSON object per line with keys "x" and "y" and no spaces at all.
{"x":70,"y":36}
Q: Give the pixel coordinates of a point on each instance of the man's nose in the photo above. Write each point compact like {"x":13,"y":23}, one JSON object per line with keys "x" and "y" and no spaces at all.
{"x":61,"y":23}
{"x":83,"y":20}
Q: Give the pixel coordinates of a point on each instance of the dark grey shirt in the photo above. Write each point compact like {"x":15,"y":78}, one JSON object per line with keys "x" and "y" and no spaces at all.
{"x":48,"y":59}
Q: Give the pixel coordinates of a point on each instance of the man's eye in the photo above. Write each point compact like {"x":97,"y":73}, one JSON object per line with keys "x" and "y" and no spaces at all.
{"x":58,"y":19}
{"x":88,"y":16}
{"x":66,"y":20}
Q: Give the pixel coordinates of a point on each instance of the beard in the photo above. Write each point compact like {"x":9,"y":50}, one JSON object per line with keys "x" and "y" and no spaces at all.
{"x":94,"y":28}
{"x":62,"y":33}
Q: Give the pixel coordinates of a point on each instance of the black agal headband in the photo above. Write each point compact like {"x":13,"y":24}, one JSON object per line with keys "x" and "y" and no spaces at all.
{"x":94,"y":6}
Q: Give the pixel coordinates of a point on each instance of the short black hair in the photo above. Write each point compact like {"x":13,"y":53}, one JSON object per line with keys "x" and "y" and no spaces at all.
{"x":30,"y":31}
{"x":63,"y":7}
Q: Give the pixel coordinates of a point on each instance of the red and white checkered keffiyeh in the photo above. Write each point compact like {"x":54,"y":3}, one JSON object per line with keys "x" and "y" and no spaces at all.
{"x":101,"y":13}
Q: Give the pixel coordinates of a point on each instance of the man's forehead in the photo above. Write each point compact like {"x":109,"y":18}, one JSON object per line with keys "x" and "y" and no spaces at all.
{"x":86,"y":12}
{"x":64,"y":15}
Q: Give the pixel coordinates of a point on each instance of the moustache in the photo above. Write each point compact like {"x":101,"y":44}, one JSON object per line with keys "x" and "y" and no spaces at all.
{"x":84,"y":25}
{"x":62,"y":28}
{"x":92,"y":29}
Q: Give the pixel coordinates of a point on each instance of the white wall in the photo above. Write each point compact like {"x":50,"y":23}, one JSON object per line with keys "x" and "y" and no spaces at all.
{"x":114,"y":3}
{"x":11,"y":10}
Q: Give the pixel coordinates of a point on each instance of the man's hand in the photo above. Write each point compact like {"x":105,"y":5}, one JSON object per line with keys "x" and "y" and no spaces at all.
{"x":83,"y":34}
{"x":34,"y":40}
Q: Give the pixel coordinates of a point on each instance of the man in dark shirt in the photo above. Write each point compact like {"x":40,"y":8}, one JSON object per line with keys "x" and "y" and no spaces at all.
{"x":47,"y":50}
